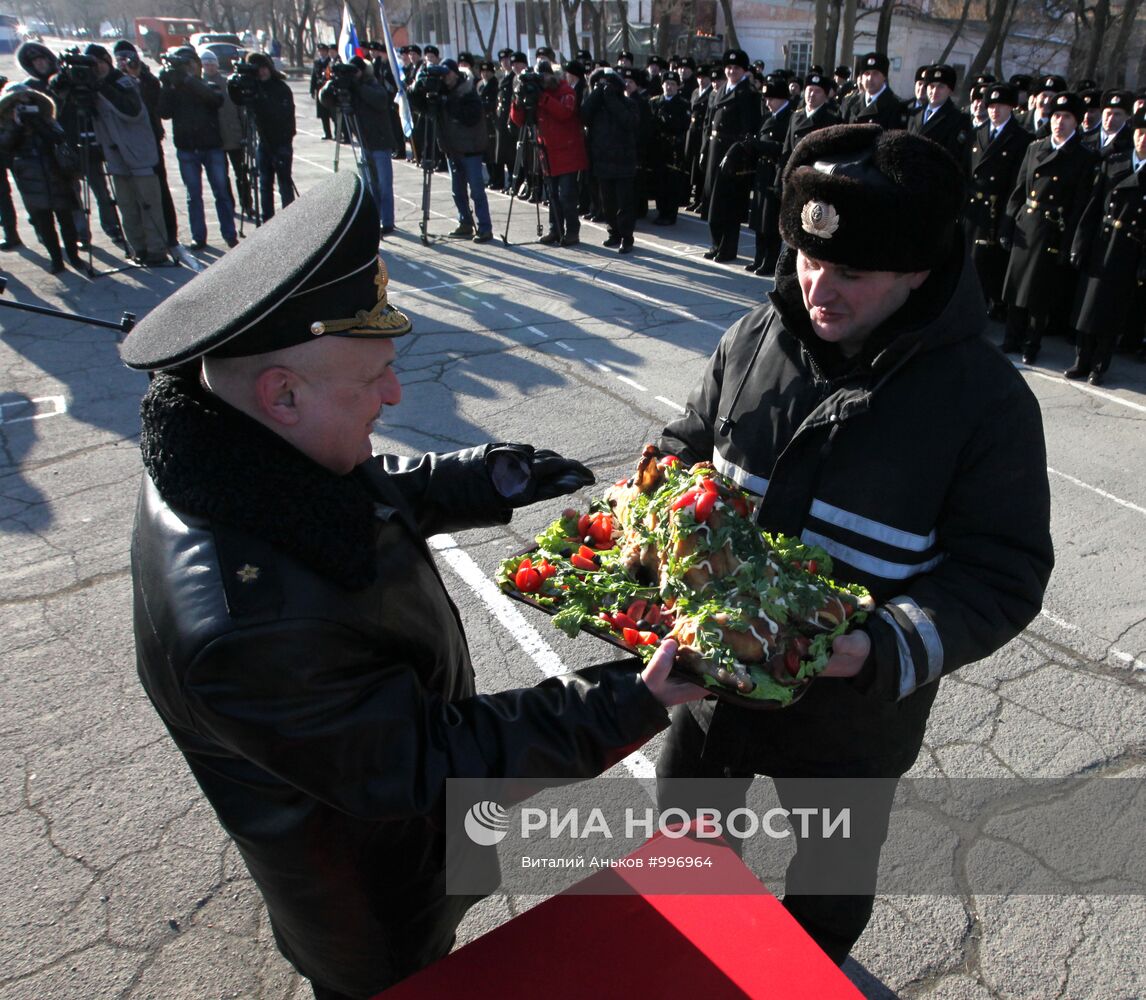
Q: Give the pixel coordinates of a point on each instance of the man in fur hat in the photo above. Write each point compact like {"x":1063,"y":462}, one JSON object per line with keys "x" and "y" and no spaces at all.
{"x":292,"y":629}
{"x":864,"y":407}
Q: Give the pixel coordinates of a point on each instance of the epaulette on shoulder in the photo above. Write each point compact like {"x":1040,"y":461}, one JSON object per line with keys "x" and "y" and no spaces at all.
{"x":249,"y":568}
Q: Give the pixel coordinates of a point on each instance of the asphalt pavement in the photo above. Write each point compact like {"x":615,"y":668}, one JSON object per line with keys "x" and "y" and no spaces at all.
{"x":118,"y":880}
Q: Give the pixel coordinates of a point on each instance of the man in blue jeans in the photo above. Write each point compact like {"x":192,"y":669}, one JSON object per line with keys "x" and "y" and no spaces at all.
{"x":192,"y":104}
{"x":460,"y":129}
{"x":362,"y":95}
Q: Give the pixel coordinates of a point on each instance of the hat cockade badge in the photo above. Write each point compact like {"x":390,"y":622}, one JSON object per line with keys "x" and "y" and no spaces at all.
{"x":820,"y":219}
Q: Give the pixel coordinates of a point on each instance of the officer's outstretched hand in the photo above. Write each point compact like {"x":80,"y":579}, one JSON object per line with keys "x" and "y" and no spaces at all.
{"x":523,"y":475}
{"x":848,"y":655}
{"x":668,"y":690}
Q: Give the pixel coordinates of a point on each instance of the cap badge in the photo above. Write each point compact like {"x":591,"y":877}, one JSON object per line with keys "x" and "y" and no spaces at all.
{"x":247,"y":573}
{"x":820,"y":219}
{"x":382,"y":320}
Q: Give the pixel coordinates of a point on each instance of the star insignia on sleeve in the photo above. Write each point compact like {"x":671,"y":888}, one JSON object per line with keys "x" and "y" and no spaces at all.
{"x":247,"y":573}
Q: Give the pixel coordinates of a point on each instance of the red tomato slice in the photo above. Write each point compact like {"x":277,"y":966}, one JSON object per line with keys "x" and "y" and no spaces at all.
{"x":546,"y":569}
{"x":581,"y":562}
{"x":709,"y":486}
{"x":653,"y":614}
{"x":649,"y":638}
{"x":525,"y":563}
{"x":704,"y":505}
{"x":740,"y":505}
{"x":622,"y":620}
{"x":669,"y":460}
{"x":792,"y":662}
{"x":583,"y":525}
{"x":528,"y":580}
{"x":812,"y":566}
{"x":631,"y":636}
{"x":636,"y":610}
{"x":685,"y":499}
{"x":586,"y":553}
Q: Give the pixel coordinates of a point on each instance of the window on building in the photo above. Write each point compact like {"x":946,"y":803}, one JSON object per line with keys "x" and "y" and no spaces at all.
{"x":799,"y":57}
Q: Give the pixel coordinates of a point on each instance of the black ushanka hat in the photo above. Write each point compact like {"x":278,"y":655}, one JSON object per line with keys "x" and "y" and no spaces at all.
{"x":312,"y":271}
{"x":871,"y":199}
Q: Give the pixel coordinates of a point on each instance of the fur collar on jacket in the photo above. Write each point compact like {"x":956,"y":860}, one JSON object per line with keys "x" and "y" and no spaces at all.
{"x":208,"y":459}
{"x":17,"y":93}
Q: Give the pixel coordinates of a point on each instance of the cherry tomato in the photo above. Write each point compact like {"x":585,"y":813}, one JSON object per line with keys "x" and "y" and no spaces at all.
{"x":740,"y":505}
{"x":792,"y":661}
{"x":587,"y":553}
{"x":528,"y":580}
{"x":622,"y":620}
{"x":636,"y":610}
{"x":653,"y":614}
{"x":649,"y":638}
{"x":581,"y":562}
{"x":668,"y":460}
{"x":525,"y":563}
{"x":600,"y":530}
{"x":709,"y":486}
{"x":812,"y":566}
{"x":704,"y":505}
{"x":546,"y":569}
{"x":583,"y":525}
{"x":631,"y":636}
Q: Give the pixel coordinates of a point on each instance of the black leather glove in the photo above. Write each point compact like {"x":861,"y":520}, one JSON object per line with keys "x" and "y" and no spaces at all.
{"x":523,"y":475}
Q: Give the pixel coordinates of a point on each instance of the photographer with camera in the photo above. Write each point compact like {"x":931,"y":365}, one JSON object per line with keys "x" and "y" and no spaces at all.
{"x":127,"y":61}
{"x":122,"y":126}
{"x":613,"y":120}
{"x":192,"y":105}
{"x":260,"y":88}
{"x":451,"y":102}
{"x":233,"y":130}
{"x":547,"y":101}
{"x":73,"y":88}
{"x":45,"y":167}
{"x":352,"y":94}
{"x":7,"y":207}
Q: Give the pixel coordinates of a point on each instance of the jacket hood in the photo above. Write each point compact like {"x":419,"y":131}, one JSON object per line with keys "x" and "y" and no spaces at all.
{"x":15,"y":93}
{"x":946,"y":308}
{"x":30,"y":51}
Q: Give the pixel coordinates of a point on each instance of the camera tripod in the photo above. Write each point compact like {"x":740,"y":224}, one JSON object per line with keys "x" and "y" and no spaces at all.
{"x":346,"y":124}
{"x":531,"y":165}
{"x":249,"y":164}
{"x":87,"y":136}
{"x":429,"y":155}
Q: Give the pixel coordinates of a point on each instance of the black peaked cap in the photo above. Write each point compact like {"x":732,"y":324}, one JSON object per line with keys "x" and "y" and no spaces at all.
{"x":313,"y":270}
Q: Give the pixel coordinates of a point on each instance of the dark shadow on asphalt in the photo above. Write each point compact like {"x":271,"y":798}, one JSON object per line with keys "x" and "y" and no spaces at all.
{"x":23,"y":508}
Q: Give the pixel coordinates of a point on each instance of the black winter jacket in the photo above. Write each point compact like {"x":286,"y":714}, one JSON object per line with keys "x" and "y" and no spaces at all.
{"x":459,"y":118}
{"x":919,"y":466}
{"x":273,"y":106}
{"x":371,"y":106}
{"x":613,"y":121}
{"x":193,"y":106}
{"x":42,"y":161}
{"x":297,"y":639}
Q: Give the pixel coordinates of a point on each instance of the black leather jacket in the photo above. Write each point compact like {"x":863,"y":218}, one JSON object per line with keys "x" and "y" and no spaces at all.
{"x":294,"y":634}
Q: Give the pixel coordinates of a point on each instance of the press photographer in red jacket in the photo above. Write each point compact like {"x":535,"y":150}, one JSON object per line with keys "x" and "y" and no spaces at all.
{"x":561,"y":135}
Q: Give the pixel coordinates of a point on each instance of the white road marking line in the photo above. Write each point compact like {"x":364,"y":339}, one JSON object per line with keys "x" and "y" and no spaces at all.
{"x":629,"y":381}
{"x":1102,"y":493}
{"x":669,"y":402}
{"x":321,"y":166}
{"x":511,"y":318}
{"x":526,"y":636}
{"x":662,"y":305}
{"x":1081,"y":387}
{"x":600,"y":367}
{"x":488,"y":306}
{"x":469,"y":295}
{"x":1118,"y":654}
{"x":533,"y":329}
{"x":564,"y":347}
{"x":59,"y":408}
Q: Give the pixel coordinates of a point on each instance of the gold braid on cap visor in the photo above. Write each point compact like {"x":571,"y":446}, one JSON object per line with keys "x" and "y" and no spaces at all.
{"x":383,"y":320}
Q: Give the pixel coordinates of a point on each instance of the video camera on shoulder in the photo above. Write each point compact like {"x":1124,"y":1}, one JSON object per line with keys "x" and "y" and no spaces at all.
{"x":78,"y":71}
{"x":243,"y":83}
{"x":176,"y":67}
{"x":342,"y":76}
{"x":527,"y":89}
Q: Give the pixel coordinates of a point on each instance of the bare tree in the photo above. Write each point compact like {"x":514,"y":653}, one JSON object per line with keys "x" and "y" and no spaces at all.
{"x":883,"y":25}
{"x":956,"y":33}
{"x":833,"y":34}
{"x":997,"y":17}
{"x":729,"y":25}
{"x":626,"y":31}
{"x":1115,"y":72}
{"x":820,"y":32}
{"x":848,"y":41}
{"x":571,"y":8}
{"x":486,"y":46}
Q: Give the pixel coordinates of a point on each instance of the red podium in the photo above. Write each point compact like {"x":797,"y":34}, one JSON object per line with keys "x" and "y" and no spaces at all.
{"x":720,"y":935}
